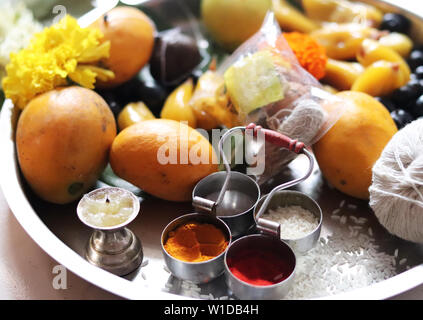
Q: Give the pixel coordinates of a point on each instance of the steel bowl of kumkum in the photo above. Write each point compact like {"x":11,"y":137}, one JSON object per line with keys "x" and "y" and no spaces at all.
{"x":194,"y":246}
{"x":299,"y":216}
{"x":259,"y":267}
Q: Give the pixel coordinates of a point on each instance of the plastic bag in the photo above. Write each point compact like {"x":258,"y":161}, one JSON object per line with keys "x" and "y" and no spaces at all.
{"x":267,"y":85}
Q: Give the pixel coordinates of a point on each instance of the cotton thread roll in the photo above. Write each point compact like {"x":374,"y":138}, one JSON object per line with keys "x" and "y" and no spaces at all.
{"x":396,"y":193}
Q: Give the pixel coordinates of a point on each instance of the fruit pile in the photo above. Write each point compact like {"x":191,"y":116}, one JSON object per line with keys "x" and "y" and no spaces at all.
{"x":79,"y":88}
{"x":119,"y":96}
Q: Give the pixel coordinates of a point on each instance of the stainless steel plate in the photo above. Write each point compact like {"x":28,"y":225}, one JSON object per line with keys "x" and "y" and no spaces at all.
{"x":57,"y":230}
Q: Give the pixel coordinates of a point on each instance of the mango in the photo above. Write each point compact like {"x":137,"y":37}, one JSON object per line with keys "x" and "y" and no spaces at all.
{"x":177,"y":105}
{"x":342,"y":74}
{"x":343,"y":40}
{"x":291,"y":19}
{"x":342,"y":11}
{"x":348,"y":151}
{"x":63,"y":138}
{"x":379,"y":79}
{"x":232,"y":22}
{"x":371,"y":51}
{"x":398,"y":42}
{"x":132,"y":113}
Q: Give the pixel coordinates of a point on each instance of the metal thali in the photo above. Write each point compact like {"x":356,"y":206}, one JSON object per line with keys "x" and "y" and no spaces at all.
{"x":59,"y":232}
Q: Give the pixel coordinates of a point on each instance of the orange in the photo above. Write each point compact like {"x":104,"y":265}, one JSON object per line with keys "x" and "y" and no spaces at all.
{"x":163,"y":157}
{"x":63,"y":138}
{"x":131,"y":36}
{"x":348,"y":151}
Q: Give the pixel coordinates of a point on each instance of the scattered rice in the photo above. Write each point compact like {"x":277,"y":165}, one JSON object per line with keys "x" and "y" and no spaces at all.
{"x":340,"y":263}
{"x":341,"y":204}
{"x":336,"y":211}
{"x":402,"y":261}
{"x":362,"y":220}
{"x":353,"y":218}
{"x":343,"y":220}
{"x":352,"y":206}
{"x":295,"y":221}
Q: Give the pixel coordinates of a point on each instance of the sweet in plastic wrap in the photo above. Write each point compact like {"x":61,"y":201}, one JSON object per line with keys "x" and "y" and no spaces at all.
{"x":266,"y":85}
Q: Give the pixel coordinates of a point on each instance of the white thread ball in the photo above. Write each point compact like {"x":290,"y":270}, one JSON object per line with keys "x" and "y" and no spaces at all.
{"x":396,"y":193}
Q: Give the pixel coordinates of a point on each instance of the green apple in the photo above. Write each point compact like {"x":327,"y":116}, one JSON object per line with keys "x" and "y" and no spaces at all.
{"x":231,"y":22}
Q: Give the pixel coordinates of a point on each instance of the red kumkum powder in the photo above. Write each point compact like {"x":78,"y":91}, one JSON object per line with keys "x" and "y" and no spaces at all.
{"x":260,"y":268}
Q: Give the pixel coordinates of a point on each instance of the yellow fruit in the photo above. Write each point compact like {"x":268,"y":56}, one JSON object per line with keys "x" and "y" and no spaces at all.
{"x":211,"y":104}
{"x":131,"y":36}
{"x":163,"y":157}
{"x":398,"y":42}
{"x":379,"y":79}
{"x":231,"y":22}
{"x":342,"y":11}
{"x":63,"y":139}
{"x":132,"y":113}
{"x":342,"y":74}
{"x":342,"y":40}
{"x":348,"y":151}
{"x":291,"y":19}
{"x":371,"y":51}
{"x":177,"y":106}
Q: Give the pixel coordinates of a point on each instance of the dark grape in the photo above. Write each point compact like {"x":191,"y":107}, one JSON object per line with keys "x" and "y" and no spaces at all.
{"x":419,"y":72}
{"x":388,"y":103}
{"x":401,"y":118}
{"x":395,"y":22}
{"x":416,"y":86}
{"x":416,"y":59}
{"x":405,"y":94}
{"x":112,"y":100}
{"x":416,"y":107}
{"x":152,"y":94}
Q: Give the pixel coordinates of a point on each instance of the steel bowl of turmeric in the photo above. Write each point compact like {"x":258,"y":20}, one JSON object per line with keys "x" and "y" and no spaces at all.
{"x":194,"y":246}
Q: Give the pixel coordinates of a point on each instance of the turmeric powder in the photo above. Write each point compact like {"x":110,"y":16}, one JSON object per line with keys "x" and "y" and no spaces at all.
{"x":196,"y":242}
{"x":310,"y":54}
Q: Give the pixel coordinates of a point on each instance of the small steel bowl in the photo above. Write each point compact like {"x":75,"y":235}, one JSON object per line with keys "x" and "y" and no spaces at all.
{"x":246,"y":291}
{"x":285,"y":198}
{"x":196,"y":272}
{"x":237,"y":206}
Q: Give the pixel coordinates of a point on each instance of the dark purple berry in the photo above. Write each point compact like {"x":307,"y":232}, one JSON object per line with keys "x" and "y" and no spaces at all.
{"x":388,"y":103}
{"x":405,"y":94}
{"x":395,"y":22}
{"x":416,"y":107}
{"x":419,"y":72}
{"x":401,"y":118}
{"x":416,"y":59}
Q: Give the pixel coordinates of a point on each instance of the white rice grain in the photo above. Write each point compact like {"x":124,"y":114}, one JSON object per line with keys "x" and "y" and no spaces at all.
{"x":295,"y":221}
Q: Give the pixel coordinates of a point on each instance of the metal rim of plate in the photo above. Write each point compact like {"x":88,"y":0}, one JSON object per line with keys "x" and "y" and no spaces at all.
{"x":19,"y":204}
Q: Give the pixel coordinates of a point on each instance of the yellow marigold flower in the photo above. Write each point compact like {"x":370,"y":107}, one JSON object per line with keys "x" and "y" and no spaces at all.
{"x":60,"y":53}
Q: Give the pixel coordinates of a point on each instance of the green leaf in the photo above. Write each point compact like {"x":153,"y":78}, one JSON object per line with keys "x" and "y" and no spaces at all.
{"x":111,"y":179}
